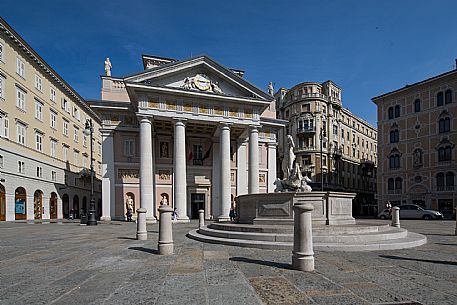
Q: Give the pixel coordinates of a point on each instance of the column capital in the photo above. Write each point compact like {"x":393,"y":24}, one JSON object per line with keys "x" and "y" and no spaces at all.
{"x":225,"y":125}
{"x":272,"y":144}
{"x":179,"y":121}
{"x":254,"y":128}
{"x":145,"y":119}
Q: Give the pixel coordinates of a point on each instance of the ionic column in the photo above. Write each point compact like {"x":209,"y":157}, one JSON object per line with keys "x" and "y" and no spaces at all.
{"x":146,"y":174}
{"x":108,"y":176}
{"x":225,"y":195}
{"x":241,"y":173}
{"x":253,"y":170}
{"x":179,"y":172}
{"x":271,"y":166}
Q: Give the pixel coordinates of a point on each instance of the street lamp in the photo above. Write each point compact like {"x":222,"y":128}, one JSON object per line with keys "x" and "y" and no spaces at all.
{"x":89,"y":131}
{"x":323,"y":138}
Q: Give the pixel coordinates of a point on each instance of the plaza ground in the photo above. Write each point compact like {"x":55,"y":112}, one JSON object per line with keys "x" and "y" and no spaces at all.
{"x":72,"y":264}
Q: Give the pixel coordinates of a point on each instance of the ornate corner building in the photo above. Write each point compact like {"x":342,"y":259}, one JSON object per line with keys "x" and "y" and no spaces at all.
{"x":418,"y":132}
{"x":44,"y":154}
{"x":335,"y":148}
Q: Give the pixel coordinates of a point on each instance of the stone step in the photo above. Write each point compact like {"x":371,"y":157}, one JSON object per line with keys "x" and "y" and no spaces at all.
{"x":288,"y":229}
{"x":409,"y":241}
{"x":329,"y":237}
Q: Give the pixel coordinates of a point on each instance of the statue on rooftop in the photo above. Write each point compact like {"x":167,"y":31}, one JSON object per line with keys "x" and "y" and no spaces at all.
{"x":108,"y":67}
{"x":270,"y":89}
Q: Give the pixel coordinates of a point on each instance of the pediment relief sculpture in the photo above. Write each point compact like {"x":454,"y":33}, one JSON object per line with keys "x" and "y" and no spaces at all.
{"x":201,"y":82}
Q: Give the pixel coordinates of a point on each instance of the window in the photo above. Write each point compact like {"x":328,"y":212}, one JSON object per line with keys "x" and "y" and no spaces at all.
{"x":4,"y":126}
{"x":449,"y":181}
{"x":444,"y":125}
{"x":1,"y":161}
{"x":440,"y":99}
{"x":394,"y":161}
{"x":20,"y":133}
{"x":65,"y":105}
{"x":38,"y":110}
{"x":65,"y":127}
{"x":52,"y":94}
{"x":197,"y":154}
{"x":20,"y":67}
{"x":20,"y":98}
{"x":84,"y":140}
{"x":1,"y":52}
{"x":2,"y":86}
{"x":76,"y":134}
{"x":390,"y":184}
{"x":99,"y":149}
{"x":39,"y":171}
{"x":38,"y":83}
{"x":129,"y":147}
{"x":84,"y":161}
{"x":391,"y":113}
{"x":394,"y":136}
{"x":417,"y":105}
{"x":75,"y":157}
{"x":76,"y":113}
{"x":448,"y":96}
{"x":397,"y":111}
{"x":39,"y":141}
{"x":53,"y":148}
{"x":20,"y":167}
{"x":53,"y":119}
{"x":53,"y":176}
{"x":445,"y":153}
{"x":65,"y":153}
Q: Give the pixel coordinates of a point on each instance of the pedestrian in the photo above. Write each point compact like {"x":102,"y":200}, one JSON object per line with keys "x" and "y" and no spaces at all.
{"x":174,"y":215}
{"x":232,"y":214}
{"x":389,"y":207}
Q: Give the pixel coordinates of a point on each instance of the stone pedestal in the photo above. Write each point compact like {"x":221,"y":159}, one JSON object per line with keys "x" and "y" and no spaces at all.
{"x":141,"y":232}
{"x":396,"y":217}
{"x":303,"y":254}
{"x":201,"y":218}
{"x":165,"y":244}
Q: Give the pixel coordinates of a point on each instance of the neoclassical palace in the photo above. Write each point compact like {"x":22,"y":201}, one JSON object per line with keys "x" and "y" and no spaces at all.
{"x":190,"y":133}
{"x":417,"y":136}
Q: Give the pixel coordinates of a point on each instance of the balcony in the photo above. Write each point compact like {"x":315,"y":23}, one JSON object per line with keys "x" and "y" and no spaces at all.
{"x":395,"y":192}
{"x":443,"y":188}
{"x":305,"y":130}
{"x":305,"y":149}
{"x":337,"y":152}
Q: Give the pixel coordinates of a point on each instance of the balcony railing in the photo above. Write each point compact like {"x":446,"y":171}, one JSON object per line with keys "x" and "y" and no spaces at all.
{"x":446,"y":188}
{"x":397,"y":191}
{"x":306,"y":129}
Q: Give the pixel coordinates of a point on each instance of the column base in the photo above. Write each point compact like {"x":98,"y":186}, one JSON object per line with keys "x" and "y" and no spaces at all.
{"x":302,"y":262}
{"x":165,"y":248}
{"x":142,"y":236}
{"x":150,"y":220}
{"x":105,"y":218}
{"x":223,"y":218}
{"x":182,"y":220}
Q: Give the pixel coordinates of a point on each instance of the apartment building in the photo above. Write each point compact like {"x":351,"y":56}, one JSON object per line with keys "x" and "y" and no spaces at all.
{"x":44,"y":153}
{"x":335,"y":148}
{"x":418,"y":132}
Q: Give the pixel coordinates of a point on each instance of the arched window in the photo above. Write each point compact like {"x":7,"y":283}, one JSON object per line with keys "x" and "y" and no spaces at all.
{"x":439,"y":99}
{"x":394,"y":136}
{"x":398,"y":183}
{"x":390,"y":184}
{"x":440,"y":181}
{"x":397,"y":111}
{"x":66,"y":206}
{"x":38,"y":204}
{"x":448,"y":96}
{"x":391,"y":113}
{"x":445,"y":153}
{"x":417,"y":105}
{"x":394,"y":161}
{"x":2,"y":203}
{"x":53,"y":206}
{"x":449,"y":181}
{"x":444,"y":125}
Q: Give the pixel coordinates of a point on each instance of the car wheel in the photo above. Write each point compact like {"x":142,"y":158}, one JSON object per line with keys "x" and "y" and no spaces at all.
{"x":427,"y":217}
{"x":383,"y":217}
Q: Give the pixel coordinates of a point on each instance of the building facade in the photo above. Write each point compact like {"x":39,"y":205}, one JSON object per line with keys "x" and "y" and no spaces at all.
{"x":335,"y":148}
{"x":418,"y":132}
{"x":44,"y":155}
{"x":180,"y":133}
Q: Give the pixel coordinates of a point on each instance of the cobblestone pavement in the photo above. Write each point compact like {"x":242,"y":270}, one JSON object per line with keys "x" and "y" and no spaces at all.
{"x":72,"y":264}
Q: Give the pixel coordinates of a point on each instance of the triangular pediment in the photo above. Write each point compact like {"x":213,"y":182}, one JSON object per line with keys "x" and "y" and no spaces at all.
{"x":200,"y":74}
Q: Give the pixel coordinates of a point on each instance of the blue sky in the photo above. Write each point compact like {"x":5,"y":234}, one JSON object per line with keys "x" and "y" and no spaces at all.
{"x":366,"y":47}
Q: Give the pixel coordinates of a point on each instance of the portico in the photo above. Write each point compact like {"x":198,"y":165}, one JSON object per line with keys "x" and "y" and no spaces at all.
{"x":205,"y":134}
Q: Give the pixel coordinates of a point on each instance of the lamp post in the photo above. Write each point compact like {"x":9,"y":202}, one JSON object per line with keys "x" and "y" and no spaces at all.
{"x":323,"y":139}
{"x":89,"y":131}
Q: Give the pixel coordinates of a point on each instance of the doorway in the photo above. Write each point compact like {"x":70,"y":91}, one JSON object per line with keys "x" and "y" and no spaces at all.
{"x":197,"y":202}
{"x":37,"y":204}
{"x":20,"y":203}
{"x":2,"y":203}
{"x":53,"y":206}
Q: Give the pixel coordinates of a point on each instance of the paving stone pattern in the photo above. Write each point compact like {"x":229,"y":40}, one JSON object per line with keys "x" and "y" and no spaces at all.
{"x":72,"y":264}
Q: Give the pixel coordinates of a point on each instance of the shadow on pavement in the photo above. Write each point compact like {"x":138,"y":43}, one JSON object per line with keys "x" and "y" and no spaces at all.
{"x":124,"y":237}
{"x":143,"y":249}
{"x":260,"y":262}
{"x":446,"y":244}
{"x":419,"y":260}
{"x":435,"y":234}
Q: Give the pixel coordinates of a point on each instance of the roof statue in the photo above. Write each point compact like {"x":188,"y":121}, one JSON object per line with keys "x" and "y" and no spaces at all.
{"x":108,"y":67}
{"x":270,"y":89}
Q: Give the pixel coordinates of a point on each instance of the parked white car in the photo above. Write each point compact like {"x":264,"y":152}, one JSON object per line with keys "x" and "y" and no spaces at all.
{"x":412,"y":211}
